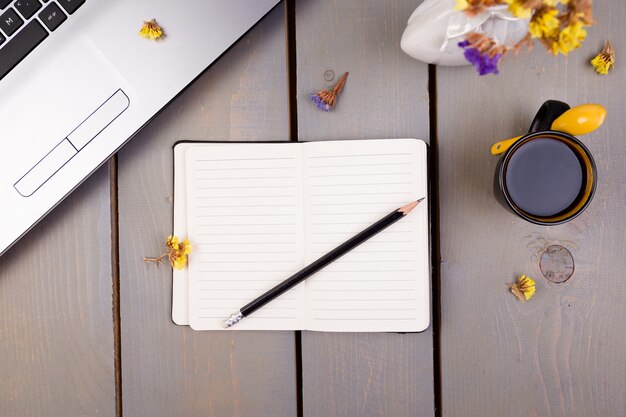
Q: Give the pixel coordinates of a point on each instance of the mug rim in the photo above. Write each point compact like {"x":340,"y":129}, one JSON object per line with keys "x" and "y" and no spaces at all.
{"x":506,"y":157}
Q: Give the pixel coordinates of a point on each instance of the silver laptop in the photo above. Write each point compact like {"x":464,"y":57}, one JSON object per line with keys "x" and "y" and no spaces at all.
{"x":77,"y":81}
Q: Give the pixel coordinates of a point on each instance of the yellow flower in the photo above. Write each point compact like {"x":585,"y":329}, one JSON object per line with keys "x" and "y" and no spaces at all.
{"x":461,"y":5}
{"x":569,"y":38}
{"x":518,"y":9}
{"x":179,"y":262}
{"x":151,"y":30}
{"x":553,"y":3}
{"x":177,"y":252}
{"x":185,"y":247}
{"x":605,"y":60}
{"x":545,"y":24}
{"x":524,"y":288}
{"x":172,"y":242}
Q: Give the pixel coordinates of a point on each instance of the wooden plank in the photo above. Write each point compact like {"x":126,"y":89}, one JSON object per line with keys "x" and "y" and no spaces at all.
{"x":169,"y":370}
{"x":386,"y":95}
{"x":56,"y":354}
{"x":562,"y":353}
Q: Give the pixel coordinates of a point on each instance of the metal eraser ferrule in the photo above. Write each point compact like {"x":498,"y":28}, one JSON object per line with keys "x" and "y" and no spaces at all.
{"x":233,"y":319}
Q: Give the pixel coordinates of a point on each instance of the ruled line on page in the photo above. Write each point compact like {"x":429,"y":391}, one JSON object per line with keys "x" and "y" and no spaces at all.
{"x":381,"y":280}
{"x":359,"y":250}
{"x":364,"y":309}
{"x":387,"y":232}
{"x":358,"y":155}
{"x":246,"y":168}
{"x":261,"y":261}
{"x":347,"y":300}
{"x":283,"y":177}
{"x":244,"y":234}
{"x":239,"y":280}
{"x":342,"y":271}
{"x":245,"y":159}
{"x":357,"y":165}
{"x":229,"y":215}
{"x":321,"y":242}
{"x":368,"y":174}
{"x":361,"y":290}
{"x":363,"y":318}
{"x":235,"y":307}
{"x":251,"y":206}
{"x":354,"y":203}
{"x":247,"y":224}
{"x":252,"y":317}
{"x":360,"y":184}
{"x":245,"y":252}
{"x":353,"y":194}
{"x":233,"y":289}
{"x":245,"y":187}
{"x":236,"y":299}
{"x":336,"y":223}
{"x":245,"y":243}
{"x":358,"y":261}
{"x":240,"y":271}
{"x":248,"y":196}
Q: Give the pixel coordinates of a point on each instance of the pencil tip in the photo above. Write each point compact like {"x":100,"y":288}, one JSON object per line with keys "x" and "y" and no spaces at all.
{"x":406,"y":209}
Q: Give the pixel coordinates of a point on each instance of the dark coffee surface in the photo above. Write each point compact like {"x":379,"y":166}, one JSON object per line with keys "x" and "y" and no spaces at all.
{"x":544,"y":177}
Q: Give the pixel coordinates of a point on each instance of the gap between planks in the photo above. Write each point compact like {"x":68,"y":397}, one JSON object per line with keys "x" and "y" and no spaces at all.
{"x":115,"y":285}
{"x":433,"y":173}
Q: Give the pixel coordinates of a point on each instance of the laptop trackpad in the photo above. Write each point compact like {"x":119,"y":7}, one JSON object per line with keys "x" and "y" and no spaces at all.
{"x":55,"y":110}
{"x":70,"y":146}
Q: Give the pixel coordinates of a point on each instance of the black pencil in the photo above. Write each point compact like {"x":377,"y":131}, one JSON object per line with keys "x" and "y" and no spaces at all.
{"x":312,"y":268}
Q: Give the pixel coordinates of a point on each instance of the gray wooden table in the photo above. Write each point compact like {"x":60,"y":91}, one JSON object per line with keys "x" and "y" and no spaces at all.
{"x":85,"y":327}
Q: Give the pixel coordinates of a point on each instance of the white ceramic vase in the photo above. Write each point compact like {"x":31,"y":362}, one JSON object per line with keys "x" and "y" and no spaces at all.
{"x":435,"y":28}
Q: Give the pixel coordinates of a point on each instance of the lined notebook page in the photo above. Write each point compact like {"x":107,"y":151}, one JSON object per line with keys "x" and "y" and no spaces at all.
{"x":180,"y":278}
{"x":383,"y":285}
{"x":245,"y":221}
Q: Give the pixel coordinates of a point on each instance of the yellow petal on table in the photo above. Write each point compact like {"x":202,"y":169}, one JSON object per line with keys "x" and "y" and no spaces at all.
{"x":524,"y":288}
{"x":151,"y":30}
{"x":605,"y":60}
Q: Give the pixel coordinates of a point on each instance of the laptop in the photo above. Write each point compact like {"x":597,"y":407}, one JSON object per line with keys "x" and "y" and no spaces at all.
{"x":77,"y":81}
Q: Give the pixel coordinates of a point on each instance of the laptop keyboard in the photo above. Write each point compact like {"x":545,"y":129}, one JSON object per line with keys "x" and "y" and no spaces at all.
{"x":24,"y":24}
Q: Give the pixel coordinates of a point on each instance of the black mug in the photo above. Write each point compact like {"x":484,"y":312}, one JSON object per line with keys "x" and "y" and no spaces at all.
{"x":546,"y":177}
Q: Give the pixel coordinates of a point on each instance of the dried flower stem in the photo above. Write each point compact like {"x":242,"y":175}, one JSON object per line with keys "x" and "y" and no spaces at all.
{"x":485,"y":44}
{"x":330,"y":97}
{"x":326,"y":100}
{"x":176,"y":254}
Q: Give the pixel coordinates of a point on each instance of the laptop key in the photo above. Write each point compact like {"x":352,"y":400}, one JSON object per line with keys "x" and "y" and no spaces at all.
{"x":4,"y":3}
{"x":71,"y":6}
{"x":52,"y":16}
{"x":10,"y":22}
{"x":17,"y":48}
{"x":2,"y":39}
{"x":27,"y":7}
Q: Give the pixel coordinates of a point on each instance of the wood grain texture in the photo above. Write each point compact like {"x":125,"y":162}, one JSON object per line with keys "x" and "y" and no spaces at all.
{"x":561,"y":354}
{"x":56,"y":331}
{"x":169,"y":370}
{"x":386,"y":95}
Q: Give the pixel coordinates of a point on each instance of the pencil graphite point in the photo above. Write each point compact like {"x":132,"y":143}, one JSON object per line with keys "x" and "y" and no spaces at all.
{"x":406,"y":209}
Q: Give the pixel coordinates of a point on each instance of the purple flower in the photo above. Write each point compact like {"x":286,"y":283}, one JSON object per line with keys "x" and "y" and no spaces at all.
{"x":484,"y":64}
{"x":321,"y":104}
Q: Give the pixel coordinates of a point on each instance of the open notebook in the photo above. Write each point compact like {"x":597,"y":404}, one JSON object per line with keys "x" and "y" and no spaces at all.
{"x":255,"y":213}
